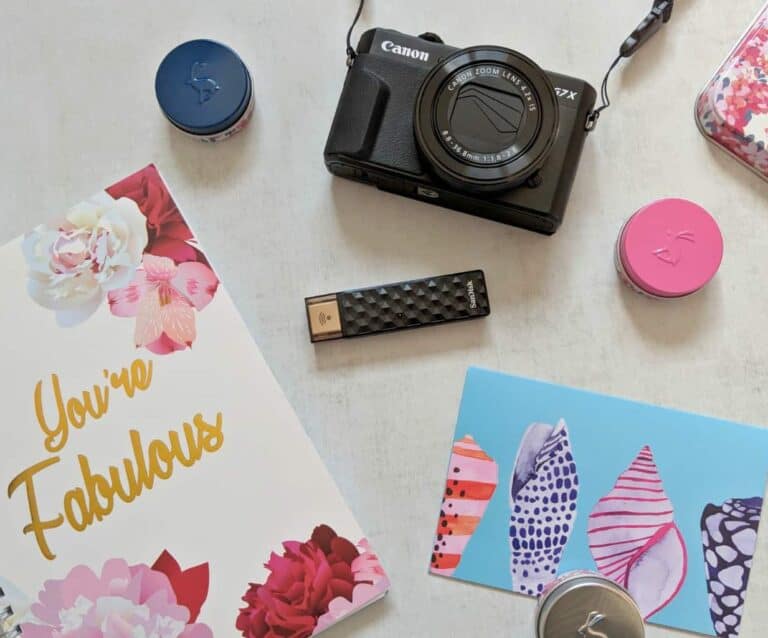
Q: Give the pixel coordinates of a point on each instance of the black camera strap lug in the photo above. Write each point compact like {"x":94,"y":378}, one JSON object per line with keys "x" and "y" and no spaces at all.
{"x":351,"y":53}
{"x":592,"y":121}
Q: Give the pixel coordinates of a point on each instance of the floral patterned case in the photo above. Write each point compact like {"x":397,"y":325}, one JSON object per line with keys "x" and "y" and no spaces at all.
{"x":732,"y":110}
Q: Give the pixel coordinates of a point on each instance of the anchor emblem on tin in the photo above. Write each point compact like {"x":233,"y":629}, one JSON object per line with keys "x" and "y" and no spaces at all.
{"x":205,"y":86}
{"x":672,"y":252}
{"x":587,"y":629}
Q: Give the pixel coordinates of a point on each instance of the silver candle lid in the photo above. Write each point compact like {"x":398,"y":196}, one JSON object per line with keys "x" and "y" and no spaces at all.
{"x":588,"y":606}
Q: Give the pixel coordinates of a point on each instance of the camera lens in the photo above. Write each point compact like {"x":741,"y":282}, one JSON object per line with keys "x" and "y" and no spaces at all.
{"x":486,"y":119}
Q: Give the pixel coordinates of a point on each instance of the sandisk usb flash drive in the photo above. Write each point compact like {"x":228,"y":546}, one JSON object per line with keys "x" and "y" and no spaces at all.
{"x":407,"y":304}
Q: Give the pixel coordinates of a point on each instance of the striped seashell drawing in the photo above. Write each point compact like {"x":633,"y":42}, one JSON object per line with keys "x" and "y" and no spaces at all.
{"x":634,"y":539}
{"x":543,"y":494}
{"x":729,"y":537}
{"x":471,"y":482}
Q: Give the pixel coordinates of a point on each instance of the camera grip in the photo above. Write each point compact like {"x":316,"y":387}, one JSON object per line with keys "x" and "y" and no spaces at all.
{"x":359,"y":114}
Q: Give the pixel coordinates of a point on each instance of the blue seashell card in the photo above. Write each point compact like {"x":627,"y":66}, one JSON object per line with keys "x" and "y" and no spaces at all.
{"x":545,"y":479}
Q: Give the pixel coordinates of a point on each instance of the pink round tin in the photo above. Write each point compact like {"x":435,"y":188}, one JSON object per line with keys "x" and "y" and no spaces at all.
{"x":670,"y":248}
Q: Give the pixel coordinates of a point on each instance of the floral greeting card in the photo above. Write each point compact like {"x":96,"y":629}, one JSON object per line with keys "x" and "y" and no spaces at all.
{"x":156,"y":483}
{"x":543,"y":480}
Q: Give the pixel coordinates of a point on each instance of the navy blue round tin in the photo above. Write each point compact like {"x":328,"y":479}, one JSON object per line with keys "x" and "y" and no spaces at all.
{"x":205,"y":90}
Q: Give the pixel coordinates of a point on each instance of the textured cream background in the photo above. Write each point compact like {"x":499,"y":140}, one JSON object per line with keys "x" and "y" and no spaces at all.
{"x":78,"y":109}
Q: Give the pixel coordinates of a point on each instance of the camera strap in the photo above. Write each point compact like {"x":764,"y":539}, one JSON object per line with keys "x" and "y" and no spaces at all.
{"x":351,"y":53}
{"x":660,"y":14}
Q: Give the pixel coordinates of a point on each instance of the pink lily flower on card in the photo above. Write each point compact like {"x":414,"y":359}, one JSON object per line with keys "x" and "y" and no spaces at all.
{"x":163,"y":297}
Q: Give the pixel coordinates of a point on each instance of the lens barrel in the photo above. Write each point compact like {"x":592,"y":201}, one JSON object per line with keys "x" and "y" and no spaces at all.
{"x":486,"y":119}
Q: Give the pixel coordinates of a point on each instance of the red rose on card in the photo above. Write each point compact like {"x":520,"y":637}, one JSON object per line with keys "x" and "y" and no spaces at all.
{"x":168,"y":233}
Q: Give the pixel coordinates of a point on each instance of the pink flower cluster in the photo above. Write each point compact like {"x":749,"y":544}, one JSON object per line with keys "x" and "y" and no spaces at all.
{"x":311,"y":586}
{"x":174,"y":279}
{"x":131,"y":246}
{"x":163,"y":297}
{"x":122,"y":601}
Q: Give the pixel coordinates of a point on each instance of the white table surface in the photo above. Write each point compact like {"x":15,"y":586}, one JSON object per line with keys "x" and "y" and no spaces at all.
{"x":78,"y":111}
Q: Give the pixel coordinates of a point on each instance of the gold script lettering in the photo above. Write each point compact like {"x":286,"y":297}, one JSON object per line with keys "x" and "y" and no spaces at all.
{"x":95,"y":499}
{"x":94,"y":403}
{"x":36,"y":524}
{"x":83,"y":507}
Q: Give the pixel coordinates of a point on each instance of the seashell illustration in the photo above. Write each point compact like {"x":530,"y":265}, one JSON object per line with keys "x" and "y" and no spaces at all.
{"x":472,"y":480}
{"x":543,"y":494}
{"x":729,"y":536}
{"x":634,"y":539}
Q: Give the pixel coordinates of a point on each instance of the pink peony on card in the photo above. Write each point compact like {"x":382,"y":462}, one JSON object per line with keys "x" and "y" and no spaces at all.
{"x":156,"y":482}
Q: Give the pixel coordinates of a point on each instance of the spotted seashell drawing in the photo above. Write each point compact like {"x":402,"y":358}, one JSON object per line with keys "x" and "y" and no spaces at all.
{"x":634,"y":539}
{"x":471,"y":482}
{"x":543,"y":494}
{"x":729,"y":537}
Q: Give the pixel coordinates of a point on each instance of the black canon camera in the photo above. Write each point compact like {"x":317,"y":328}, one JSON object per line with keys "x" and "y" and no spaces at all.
{"x":482,"y":130}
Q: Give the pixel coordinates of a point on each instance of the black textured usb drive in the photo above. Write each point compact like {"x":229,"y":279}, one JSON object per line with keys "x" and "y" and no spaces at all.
{"x":407,"y":304}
